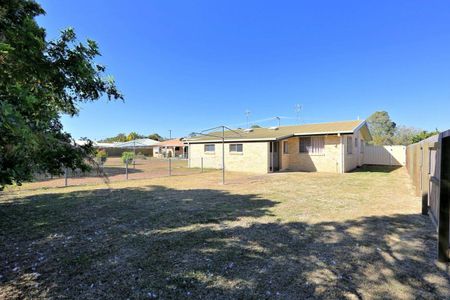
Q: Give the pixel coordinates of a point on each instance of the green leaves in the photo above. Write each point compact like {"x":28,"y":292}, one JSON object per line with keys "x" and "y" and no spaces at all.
{"x":39,"y":81}
{"x":127,"y":157}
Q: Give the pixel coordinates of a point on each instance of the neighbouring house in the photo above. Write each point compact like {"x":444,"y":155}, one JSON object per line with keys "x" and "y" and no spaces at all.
{"x":143,"y":146}
{"x":171,"y":148}
{"x":336,"y":147}
{"x":139,"y":146}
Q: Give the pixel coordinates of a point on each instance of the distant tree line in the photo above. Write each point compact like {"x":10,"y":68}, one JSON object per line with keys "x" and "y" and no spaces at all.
{"x":122,"y":137}
{"x":386,"y":132}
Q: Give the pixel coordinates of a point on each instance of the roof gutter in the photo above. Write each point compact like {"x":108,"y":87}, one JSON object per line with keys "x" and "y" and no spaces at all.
{"x":323,"y":133}
{"x":230,"y":140}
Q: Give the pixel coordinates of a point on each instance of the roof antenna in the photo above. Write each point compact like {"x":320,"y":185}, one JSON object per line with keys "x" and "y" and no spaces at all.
{"x":247,"y":114}
{"x":279,"y":121}
{"x":298,"y":108}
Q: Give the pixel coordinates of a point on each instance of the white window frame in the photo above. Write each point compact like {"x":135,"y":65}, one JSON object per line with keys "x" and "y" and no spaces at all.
{"x":316,"y":145}
{"x":209,"y":151}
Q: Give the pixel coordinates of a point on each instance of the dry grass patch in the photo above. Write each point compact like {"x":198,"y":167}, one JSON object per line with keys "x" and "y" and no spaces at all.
{"x":285,"y":235}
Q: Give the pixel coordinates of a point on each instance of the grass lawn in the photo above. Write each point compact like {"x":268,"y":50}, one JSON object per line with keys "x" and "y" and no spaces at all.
{"x":283,"y":235}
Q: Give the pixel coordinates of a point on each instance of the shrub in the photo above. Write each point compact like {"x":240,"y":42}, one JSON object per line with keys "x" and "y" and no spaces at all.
{"x":101,"y":156}
{"x":127,"y":156}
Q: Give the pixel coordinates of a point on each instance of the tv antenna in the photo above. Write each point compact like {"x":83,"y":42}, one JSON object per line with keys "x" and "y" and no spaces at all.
{"x":279,"y":120}
{"x":247,"y":114}
{"x":298,"y":108}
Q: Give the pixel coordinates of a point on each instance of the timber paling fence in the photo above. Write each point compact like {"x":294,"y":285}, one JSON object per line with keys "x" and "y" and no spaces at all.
{"x":428,"y":165}
{"x":115,"y":170}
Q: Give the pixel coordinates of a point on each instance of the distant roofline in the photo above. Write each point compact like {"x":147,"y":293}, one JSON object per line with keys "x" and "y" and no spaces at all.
{"x":318,"y":123}
{"x":199,"y":139}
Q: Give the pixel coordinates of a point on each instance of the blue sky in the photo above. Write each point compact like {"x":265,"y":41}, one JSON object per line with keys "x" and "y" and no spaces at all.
{"x":191,"y":65}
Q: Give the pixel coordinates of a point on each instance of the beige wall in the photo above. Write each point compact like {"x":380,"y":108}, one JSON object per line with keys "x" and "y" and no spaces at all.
{"x":329,"y":161}
{"x":253,"y":159}
{"x":356,"y":159}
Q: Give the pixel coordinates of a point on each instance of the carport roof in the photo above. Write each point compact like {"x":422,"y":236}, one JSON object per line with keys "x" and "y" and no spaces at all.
{"x":276,"y":133}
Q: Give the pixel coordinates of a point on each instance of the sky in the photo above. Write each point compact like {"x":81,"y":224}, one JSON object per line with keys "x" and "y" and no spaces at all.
{"x":186,"y":66}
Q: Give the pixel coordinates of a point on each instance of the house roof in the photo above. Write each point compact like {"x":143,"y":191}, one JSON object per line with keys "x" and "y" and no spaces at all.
{"x":171,"y":143}
{"x":276,"y":133}
{"x":138,"y":143}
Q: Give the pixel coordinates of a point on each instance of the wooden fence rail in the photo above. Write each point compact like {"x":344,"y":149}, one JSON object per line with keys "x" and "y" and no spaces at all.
{"x":428,"y":164}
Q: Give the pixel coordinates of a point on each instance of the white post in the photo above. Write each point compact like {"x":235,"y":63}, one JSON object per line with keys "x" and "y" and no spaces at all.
{"x":134,"y":151}
{"x":189,"y":155}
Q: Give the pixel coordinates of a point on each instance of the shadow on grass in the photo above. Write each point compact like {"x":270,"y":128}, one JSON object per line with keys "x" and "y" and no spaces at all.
{"x":158,"y":242}
{"x":377,"y":169}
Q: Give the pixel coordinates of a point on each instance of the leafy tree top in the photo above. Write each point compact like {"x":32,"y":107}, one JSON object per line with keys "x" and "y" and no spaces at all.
{"x":39,"y":81}
{"x":381,"y":127}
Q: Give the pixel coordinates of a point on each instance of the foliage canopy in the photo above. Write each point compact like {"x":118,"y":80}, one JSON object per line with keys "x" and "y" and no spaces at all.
{"x":386,"y":132}
{"x":39,"y":81}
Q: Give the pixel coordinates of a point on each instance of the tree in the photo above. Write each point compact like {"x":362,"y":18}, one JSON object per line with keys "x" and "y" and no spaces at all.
{"x":101,"y":155}
{"x":39,"y":81}
{"x":127,"y":157}
{"x":423,"y":135}
{"x":134,"y":136}
{"x":381,"y":127}
{"x":255,"y":126}
{"x":121,"y":137}
{"x":404,"y":135}
{"x":155,"y":136}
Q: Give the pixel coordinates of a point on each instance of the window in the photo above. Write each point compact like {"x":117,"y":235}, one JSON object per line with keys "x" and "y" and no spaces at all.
{"x":312,"y":145}
{"x":361,"y":146}
{"x":349,"y":145}
{"x":356,"y":143}
{"x":177,"y":148}
{"x":236,"y":148}
{"x":210,"y":148}
{"x":285,"y":147}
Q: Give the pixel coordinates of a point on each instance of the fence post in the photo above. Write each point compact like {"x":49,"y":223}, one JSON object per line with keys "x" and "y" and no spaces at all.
{"x":126,"y":169}
{"x":170,"y":166}
{"x":65,"y":176}
{"x":444,"y":197}
{"x":202,"y":163}
{"x":424,"y":177}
